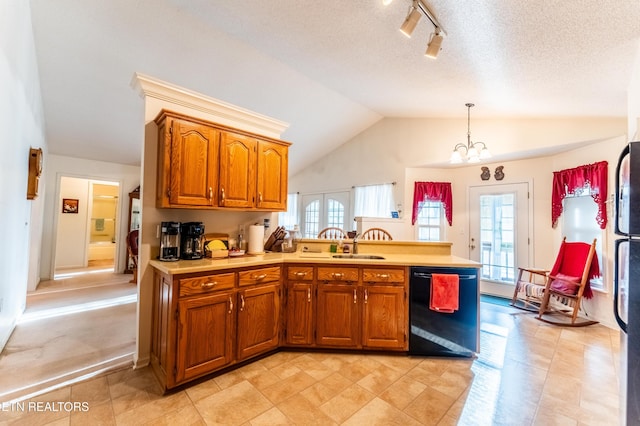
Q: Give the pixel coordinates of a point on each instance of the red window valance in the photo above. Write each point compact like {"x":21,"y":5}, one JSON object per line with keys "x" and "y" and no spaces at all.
{"x":432,"y":191}
{"x":568,"y":181}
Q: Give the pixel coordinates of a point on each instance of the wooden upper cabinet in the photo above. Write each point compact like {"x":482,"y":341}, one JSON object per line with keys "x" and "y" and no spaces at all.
{"x":273,"y":169}
{"x":237,"y":171}
{"x":187,"y":164}
{"x":207,"y":165}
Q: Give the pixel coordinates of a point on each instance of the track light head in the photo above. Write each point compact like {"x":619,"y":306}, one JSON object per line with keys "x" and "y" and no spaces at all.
{"x":411,"y":20}
{"x":434,"y":46}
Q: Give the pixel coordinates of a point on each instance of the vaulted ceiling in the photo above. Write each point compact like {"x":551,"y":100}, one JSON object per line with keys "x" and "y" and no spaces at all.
{"x":330,"y":68}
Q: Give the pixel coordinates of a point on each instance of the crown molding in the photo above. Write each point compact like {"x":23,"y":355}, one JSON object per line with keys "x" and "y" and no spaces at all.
{"x":226,"y":113}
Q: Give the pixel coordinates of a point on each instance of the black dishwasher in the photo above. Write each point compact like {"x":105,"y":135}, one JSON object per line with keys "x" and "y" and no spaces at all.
{"x":443,"y":334}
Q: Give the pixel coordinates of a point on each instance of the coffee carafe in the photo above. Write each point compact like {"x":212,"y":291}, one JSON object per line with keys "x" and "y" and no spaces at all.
{"x":192,"y":236}
{"x":169,"y":241}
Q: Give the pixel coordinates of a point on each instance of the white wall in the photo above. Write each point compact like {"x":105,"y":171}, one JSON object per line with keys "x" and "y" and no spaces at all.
{"x":21,"y":118}
{"x":59,"y":166}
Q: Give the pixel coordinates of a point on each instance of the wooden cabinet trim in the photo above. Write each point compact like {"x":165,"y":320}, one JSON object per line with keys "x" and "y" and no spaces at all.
{"x":164,"y":114}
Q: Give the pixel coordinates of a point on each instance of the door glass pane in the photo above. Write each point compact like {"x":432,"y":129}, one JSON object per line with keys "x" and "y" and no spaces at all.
{"x":497,"y":237}
{"x":312,"y":219}
{"x":335,"y":213}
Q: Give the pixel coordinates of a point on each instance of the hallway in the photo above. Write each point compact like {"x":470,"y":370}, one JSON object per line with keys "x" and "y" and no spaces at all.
{"x":75,"y":327}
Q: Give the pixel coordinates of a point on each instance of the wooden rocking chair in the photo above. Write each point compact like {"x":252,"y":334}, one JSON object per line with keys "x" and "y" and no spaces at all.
{"x":568,"y":283}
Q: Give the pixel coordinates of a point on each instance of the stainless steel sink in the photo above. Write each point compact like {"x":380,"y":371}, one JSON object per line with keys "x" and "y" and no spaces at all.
{"x":356,"y":256}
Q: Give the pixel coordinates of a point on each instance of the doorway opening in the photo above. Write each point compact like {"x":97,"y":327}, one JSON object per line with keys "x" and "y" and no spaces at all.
{"x":87,"y":226}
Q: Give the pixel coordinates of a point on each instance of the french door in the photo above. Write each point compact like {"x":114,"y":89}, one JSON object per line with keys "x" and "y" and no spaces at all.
{"x":499,"y":234}
{"x":322,"y":210}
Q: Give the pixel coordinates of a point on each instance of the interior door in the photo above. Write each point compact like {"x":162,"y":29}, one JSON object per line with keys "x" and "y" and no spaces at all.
{"x":499,"y":234}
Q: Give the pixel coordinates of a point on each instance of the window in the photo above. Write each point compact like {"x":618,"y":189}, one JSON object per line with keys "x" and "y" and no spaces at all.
{"x":430,"y":223}
{"x":374,"y":200}
{"x":497,"y":237}
{"x":578,"y":225}
{"x":290,"y":218}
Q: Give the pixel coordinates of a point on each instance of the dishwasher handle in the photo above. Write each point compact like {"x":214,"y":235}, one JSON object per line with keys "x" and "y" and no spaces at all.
{"x":428,"y":276}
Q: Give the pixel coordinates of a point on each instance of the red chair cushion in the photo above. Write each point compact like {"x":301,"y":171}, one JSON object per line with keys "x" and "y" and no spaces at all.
{"x":565,"y":284}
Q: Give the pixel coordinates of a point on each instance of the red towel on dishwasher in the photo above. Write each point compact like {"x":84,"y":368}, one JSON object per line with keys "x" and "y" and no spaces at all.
{"x":444,"y":293}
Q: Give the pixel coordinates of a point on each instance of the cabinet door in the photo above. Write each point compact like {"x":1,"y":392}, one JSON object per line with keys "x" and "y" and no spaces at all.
{"x":337,"y":320}
{"x":237,"y":171}
{"x":272,"y":176}
{"x":258,"y":320}
{"x":384,"y":317}
{"x":194,"y":169}
{"x":205,"y":334}
{"x":299,"y":313}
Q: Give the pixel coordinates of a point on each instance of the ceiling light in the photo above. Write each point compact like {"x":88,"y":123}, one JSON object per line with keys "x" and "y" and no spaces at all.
{"x":469,"y":152}
{"x":411,"y":20}
{"x":433,"y":48}
{"x":387,"y":2}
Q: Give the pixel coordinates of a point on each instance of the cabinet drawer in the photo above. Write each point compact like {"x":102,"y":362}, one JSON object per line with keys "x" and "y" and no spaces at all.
{"x":206,"y":284}
{"x":382,"y":275}
{"x":258,"y":276}
{"x":300,"y":273}
{"x":338,"y":274}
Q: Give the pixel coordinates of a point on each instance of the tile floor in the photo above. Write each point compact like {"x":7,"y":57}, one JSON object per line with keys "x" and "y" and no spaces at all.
{"x":527,"y":373}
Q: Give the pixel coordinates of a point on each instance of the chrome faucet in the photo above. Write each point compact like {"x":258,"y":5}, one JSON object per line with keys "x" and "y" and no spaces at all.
{"x":355,"y":244}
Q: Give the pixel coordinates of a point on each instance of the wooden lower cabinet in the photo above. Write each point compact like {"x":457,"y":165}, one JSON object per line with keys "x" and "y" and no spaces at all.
{"x":299,"y":316}
{"x":205,"y":335}
{"x":384,"y":319}
{"x":258,"y":320}
{"x":203,"y":322}
{"x":300,"y":312}
{"x":337,"y":318}
{"x":351,"y":308}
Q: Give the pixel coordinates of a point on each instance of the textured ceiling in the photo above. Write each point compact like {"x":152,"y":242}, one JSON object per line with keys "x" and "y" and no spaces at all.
{"x":330,"y":68}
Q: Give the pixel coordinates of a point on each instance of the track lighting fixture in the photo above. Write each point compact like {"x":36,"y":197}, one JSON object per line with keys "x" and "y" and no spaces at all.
{"x":433,"y":48}
{"x":411,"y":20}
{"x":419,"y":8}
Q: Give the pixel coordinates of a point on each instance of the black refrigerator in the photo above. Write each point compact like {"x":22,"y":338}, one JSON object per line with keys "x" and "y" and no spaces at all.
{"x":627,"y":279}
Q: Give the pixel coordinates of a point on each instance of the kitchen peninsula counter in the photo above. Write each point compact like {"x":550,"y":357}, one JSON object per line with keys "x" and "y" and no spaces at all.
{"x":211,"y":314}
{"x":394,"y":253}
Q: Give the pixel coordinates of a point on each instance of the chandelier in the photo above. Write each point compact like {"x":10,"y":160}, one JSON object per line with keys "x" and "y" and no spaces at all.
{"x":472,"y":152}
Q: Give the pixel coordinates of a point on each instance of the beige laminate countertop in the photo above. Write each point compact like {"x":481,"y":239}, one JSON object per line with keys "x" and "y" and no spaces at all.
{"x":324,"y":258}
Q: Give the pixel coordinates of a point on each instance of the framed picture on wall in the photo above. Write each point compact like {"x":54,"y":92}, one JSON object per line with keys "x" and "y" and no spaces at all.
{"x":69,"y":205}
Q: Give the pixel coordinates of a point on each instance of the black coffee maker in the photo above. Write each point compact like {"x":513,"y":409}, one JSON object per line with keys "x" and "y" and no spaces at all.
{"x":192,"y":240}
{"x":170,"y":241}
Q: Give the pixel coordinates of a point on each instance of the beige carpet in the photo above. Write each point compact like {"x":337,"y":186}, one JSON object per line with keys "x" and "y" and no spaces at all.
{"x":71,"y":328}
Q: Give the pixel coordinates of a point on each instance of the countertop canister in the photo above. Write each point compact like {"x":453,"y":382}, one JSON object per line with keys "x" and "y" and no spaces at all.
{"x":256,"y":239}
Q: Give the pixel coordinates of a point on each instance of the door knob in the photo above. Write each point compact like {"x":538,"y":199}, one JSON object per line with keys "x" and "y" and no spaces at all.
{"x":472,"y":245}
